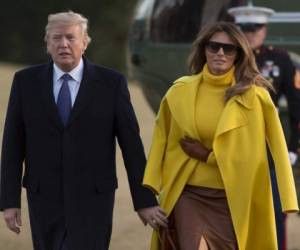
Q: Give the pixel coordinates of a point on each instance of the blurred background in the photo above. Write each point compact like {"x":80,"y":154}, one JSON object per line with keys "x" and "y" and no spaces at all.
{"x":148,"y":40}
{"x":22,"y":26}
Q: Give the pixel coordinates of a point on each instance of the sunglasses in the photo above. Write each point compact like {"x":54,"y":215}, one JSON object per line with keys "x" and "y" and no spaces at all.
{"x":228,"y":49}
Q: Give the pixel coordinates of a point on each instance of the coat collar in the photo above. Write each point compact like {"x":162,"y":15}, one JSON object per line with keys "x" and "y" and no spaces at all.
{"x":181,"y":99}
{"x":84,"y":94}
{"x":246,"y":99}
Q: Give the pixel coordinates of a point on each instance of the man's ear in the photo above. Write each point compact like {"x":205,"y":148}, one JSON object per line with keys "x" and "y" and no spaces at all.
{"x":85,"y":44}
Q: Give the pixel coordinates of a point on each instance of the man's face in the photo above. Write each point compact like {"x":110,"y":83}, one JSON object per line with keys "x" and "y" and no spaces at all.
{"x":257,"y":37}
{"x":66,"y":45}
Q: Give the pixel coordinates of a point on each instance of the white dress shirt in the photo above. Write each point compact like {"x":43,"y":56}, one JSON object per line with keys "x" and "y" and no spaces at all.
{"x":74,"y":83}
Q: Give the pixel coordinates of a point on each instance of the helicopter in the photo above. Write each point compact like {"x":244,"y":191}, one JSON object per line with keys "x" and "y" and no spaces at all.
{"x":162,"y":32}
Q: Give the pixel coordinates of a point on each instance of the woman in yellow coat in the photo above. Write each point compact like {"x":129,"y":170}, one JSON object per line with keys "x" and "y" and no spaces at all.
{"x":208,"y":160}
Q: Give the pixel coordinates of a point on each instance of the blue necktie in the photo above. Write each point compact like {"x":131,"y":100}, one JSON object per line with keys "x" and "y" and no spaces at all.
{"x":64,"y":103}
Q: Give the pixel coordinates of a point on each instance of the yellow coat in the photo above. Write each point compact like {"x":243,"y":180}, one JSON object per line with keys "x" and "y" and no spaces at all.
{"x":239,"y":147}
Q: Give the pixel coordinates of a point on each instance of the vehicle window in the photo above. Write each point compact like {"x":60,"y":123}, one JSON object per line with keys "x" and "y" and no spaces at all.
{"x":143,"y":9}
{"x":177,"y":21}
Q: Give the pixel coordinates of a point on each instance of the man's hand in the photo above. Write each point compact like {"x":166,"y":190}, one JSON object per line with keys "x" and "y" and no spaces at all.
{"x":194,"y":149}
{"x":12,"y":217}
{"x":154,"y":216}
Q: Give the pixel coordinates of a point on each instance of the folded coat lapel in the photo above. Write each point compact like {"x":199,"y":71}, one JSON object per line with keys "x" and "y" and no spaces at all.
{"x":231,"y":118}
{"x":233,"y":115}
{"x":182,"y":103}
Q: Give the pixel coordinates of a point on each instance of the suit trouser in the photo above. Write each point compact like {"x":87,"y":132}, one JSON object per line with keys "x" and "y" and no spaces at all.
{"x":64,"y":245}
{"x":59,"y":239}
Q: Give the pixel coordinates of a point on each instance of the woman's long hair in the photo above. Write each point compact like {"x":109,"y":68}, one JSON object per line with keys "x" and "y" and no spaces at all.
{"x":246,"y":71}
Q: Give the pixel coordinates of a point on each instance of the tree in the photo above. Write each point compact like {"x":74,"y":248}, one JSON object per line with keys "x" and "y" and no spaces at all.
{"x":22,"y":29}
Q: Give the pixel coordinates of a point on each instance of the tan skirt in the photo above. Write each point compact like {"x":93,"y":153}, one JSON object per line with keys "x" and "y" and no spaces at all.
{"x":200,"y":221}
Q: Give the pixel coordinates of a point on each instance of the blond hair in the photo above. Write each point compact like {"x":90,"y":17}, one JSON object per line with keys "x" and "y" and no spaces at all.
{"x":246,"y":71}
{"x":67,"y":18}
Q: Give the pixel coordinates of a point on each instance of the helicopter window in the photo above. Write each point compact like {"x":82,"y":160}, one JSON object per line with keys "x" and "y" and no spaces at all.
{"x":144,"y":9}
{"x":177,"y":21}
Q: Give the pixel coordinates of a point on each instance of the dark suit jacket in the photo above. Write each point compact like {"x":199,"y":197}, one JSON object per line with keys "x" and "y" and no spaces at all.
{"x":70,"y":173}
{"x":281,"y":72}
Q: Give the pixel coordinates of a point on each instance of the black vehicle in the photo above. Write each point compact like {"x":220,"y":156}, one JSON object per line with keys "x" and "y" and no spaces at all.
{"x":162,"y":32}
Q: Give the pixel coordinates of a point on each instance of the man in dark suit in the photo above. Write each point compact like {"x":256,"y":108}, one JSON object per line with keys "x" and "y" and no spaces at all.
{"x":62,"y":121}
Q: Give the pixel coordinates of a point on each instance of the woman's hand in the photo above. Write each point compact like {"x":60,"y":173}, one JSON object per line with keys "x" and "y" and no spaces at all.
{"x":194,"y":149}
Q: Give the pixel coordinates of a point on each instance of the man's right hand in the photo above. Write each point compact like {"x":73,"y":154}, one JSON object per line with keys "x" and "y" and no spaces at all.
{"x":12,"y":217}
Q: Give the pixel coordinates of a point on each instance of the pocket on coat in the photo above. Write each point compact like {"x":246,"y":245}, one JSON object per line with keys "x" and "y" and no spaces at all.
{"x":106,"y":185}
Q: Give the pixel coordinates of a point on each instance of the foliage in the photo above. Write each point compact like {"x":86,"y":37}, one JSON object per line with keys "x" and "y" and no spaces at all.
{"x":23,"y":22}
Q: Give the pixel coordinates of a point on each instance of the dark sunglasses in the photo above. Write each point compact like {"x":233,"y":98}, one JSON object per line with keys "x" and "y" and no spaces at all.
{"x":214,"y":47}
{"x":250,"y":27}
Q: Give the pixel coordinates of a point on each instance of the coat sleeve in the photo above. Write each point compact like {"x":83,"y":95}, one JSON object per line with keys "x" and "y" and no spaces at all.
{"x":153,"y":172}
{"x":276,"y":141}
{"x":128,"y":135}
{"x":13,"y":151}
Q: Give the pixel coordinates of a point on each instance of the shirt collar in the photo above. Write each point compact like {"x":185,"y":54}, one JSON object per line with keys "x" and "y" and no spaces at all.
{"x":75,"y":73}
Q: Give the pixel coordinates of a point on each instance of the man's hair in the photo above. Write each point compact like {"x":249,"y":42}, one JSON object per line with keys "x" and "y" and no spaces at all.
{"x":246,"y":72}
{"x":67,"y":18}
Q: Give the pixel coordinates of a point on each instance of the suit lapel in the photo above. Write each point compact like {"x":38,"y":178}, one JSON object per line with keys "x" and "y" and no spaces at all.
{"x":85,"y":92}
{"x":48,"y":97}
{"x":83,"y":97}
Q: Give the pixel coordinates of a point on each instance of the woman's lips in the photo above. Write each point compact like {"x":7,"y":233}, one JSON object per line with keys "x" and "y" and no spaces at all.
{"x":219,"y":61}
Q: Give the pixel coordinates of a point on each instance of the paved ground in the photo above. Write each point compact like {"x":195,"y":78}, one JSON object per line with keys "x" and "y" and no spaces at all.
{"x":128,"y":231}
